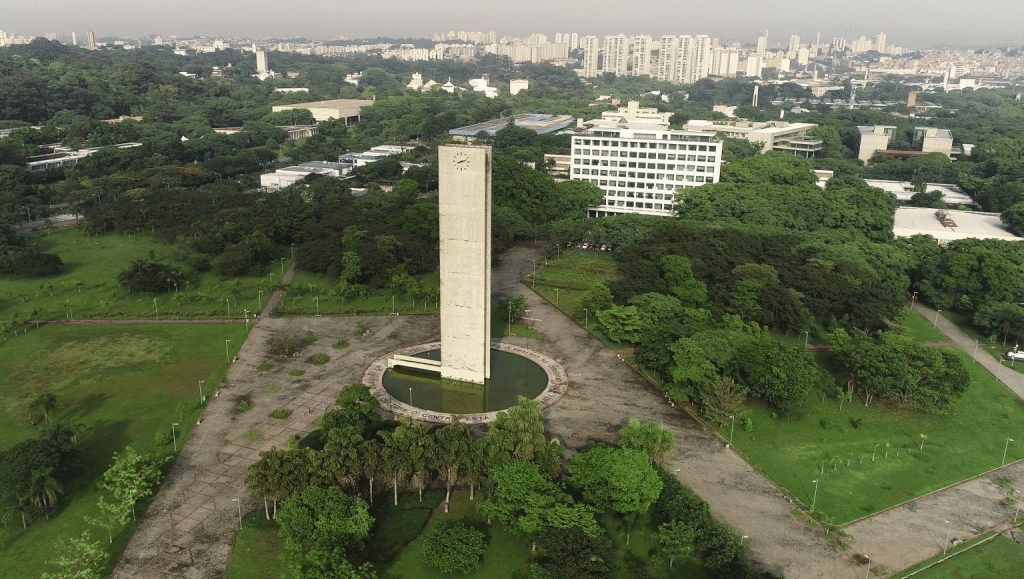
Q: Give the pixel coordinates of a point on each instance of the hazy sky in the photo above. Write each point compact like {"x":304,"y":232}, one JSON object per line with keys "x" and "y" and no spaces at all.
{"x":914,"y":24}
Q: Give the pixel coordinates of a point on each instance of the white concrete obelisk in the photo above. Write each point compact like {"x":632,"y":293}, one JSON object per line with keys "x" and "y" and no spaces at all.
{"x":465,"y":234}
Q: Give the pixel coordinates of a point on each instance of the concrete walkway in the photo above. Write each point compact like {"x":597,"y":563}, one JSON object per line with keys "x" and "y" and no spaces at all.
{"x":920,"y":529}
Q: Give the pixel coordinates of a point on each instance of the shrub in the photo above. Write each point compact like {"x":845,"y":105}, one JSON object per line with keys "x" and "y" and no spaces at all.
{"x":151,"y":277}
{"x":242,"y":404}
{"x":297,"y":373}
{"x":319,"y":358}
{"x":454,"y":547}
{"x":309,"y":339}
{"x":285,"y":345}
{"x":161,"y":438}
{"x":281,"y":413}
{"x":342,"y":343}
{"x":265,"y":367}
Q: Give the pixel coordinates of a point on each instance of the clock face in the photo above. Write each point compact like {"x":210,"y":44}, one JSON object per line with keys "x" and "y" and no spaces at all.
{"x":460,"y":162}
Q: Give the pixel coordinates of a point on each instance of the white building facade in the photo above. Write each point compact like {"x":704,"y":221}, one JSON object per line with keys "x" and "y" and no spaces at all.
{"x":640,"y":167}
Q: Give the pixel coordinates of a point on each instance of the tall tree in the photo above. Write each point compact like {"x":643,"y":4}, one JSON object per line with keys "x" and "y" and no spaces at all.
{"x":620,"y":479}
{"x":647,"y":437}
{"x":453,"y":443}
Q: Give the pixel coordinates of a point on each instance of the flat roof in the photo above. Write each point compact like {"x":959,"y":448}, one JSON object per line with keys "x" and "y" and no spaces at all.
{"x":540,"y":123}
{"x":969,"y":225}
{"x":904,"y":190}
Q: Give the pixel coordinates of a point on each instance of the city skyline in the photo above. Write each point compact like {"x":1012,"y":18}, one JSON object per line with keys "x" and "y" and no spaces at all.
{"x":991,"y":22}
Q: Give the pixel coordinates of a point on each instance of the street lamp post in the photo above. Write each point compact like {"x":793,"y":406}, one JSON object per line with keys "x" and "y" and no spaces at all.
{"x":586,"y":318}
{"x":1005,"y":448}
{"x":510,"y":317}
{"x":174,"y":436}
{"x":246,"y":314}
{"x":949,"y":531}
{"x":282,"y":269}
{"x":534,"y":273}
{"x":227,"y":355}
{"x":201,"y":397}
{"x":935,"y":322}
{"x":975,"y":350}
{"x":814,"y":500}
{"x":913,"y":298}
{"x":556,"y":297}
{"x":228,"y":302}
{"x":156,"y":312}
{"x":239,"y":512}
{"x":410,"y":396}
{"x":392,"y":305}
{"x":317,"y":300}
{"x":293,"y":252}
{"x":259,"y":300}
{"x":733,"y":427}
{"x":807,"y":336}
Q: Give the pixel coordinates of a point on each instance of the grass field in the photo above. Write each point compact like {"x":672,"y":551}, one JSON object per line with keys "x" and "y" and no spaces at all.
{"x":999,"y":557}
{"x":88,"y":287}
{"x":868,"y":458}
{"x":258,"y":552}
{"x":123,"y":383}
{"x":310,"y":294}
{"x":564,"y":281}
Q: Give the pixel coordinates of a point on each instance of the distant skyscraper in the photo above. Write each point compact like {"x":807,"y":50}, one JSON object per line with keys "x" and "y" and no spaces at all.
{"x":641,"y":55}
{"x":261,"y":62}
{"x":794,"y":45}
{"x":74,"y":39}
{"x":574,"y":41}
{"x":591,"y":46}
{"x":91,"y":42}
{"x":684,"y":59}
{"x":762,"y":42}
{"x":616,"y":54}
{"x":880,"y":44}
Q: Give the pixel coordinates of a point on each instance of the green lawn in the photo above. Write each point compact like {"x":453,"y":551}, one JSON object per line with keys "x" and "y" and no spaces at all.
{"x":1000,"y":557}
{"x":564,"y":281}
{"x":88,"y":287}
{"x":311,"y":293}
{"x":836,"y":447}
{"x":506,"y":553}
{"x":258,"y":550}
{"x":123,"y":384}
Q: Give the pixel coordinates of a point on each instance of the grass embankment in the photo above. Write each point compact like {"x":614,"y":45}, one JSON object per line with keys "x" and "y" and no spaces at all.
{"x":88,"y":288}
{"x":123,"y":384}
{"x":258,"y":552}
{"x":566,"y":280}
{"x":994,"y":556}
{"x":868,"y":458}
{"x":309,"y":294}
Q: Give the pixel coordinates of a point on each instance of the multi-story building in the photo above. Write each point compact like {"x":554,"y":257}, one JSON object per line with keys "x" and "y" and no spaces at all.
{"x":591,"y":46}
{"x":643,"y":46}
{"x":641,"y":165}
{"x":616,"y":54}
{"x":772,"y":136}
{"x":684,"y":59}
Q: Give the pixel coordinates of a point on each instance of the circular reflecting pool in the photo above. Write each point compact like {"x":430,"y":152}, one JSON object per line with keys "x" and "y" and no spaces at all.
{"x":511,"y":376}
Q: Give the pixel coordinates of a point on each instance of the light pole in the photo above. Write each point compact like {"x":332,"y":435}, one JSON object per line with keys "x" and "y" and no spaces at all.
{"x":935,"y":322}
{"x":556,"y":297}
{"x":534,"y":273}
{"x":201,"y":397}
{"x":410,"y":396}
{"x":156,"y":312}
{"x":586,"y":318}
{"x":1016,"y":512}
{"x":1005,"y":448}
{"x":282,"y":270}
{"x":228,"y":302}
{"x":246,"y":314}
{"x":174,"y":436}
{"x":227,"y":356}
{"x":975,"y":350}
{"x":558,"y":250}
{"x":317,"y":300}
{"x":510,"y":317}
{"x":392,"y":305}
{"x":733,"y":427}
{"x":293,"y":252}
{"x":913,"y":298}
{"x":949,"y":531}
{"x":239,"y":512}
{"x":807,"y":336}
{"x":868,"y":570}
{"x":814,"y":500}
{"x":259,"y":300}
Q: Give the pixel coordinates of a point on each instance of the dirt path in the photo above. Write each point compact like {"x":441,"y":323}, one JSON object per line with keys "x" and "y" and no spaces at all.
{"x":604,"y":392}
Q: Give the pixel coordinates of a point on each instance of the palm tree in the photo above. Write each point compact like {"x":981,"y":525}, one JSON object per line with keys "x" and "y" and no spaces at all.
{"x":452,"y":451}
{"x":43,"y":404}
{"x":63,"y":433}
{"x":369,"y":461}
{"x":44,"y":490}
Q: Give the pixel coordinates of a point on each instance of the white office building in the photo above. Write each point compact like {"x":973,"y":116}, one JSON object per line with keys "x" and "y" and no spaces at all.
{"x":640,"y":166}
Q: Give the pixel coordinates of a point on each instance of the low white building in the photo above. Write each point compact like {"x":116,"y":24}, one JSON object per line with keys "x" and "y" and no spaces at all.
{"x":291,"y":175}
{"x":773,"y":135}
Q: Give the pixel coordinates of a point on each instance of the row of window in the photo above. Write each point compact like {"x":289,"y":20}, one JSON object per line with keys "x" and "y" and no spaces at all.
{"x":641,"y":185}
{"x":631,"y":194}
{"x":643,"y":175}
{"x":640,"y":205}
{"x":643,"y":155}
{"x":644,"y":145}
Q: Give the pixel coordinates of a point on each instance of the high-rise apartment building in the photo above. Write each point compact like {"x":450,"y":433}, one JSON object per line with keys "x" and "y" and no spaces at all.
{"x":641,"y":165}
{"x":880,"y":42}
{"x":91,"y":42}
{"x":684,"y":59}
{"x":591,"y":46}
{"x":762,"y":42}
{"x":640,"y":58}
{"x":616,"y":54}
{"x":794,"y":45}
{"x":724,"y":61}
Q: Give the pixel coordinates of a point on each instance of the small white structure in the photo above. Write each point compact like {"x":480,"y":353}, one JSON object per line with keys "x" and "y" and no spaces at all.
{"x":291,"y":175}
{"x":518,"y":84}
